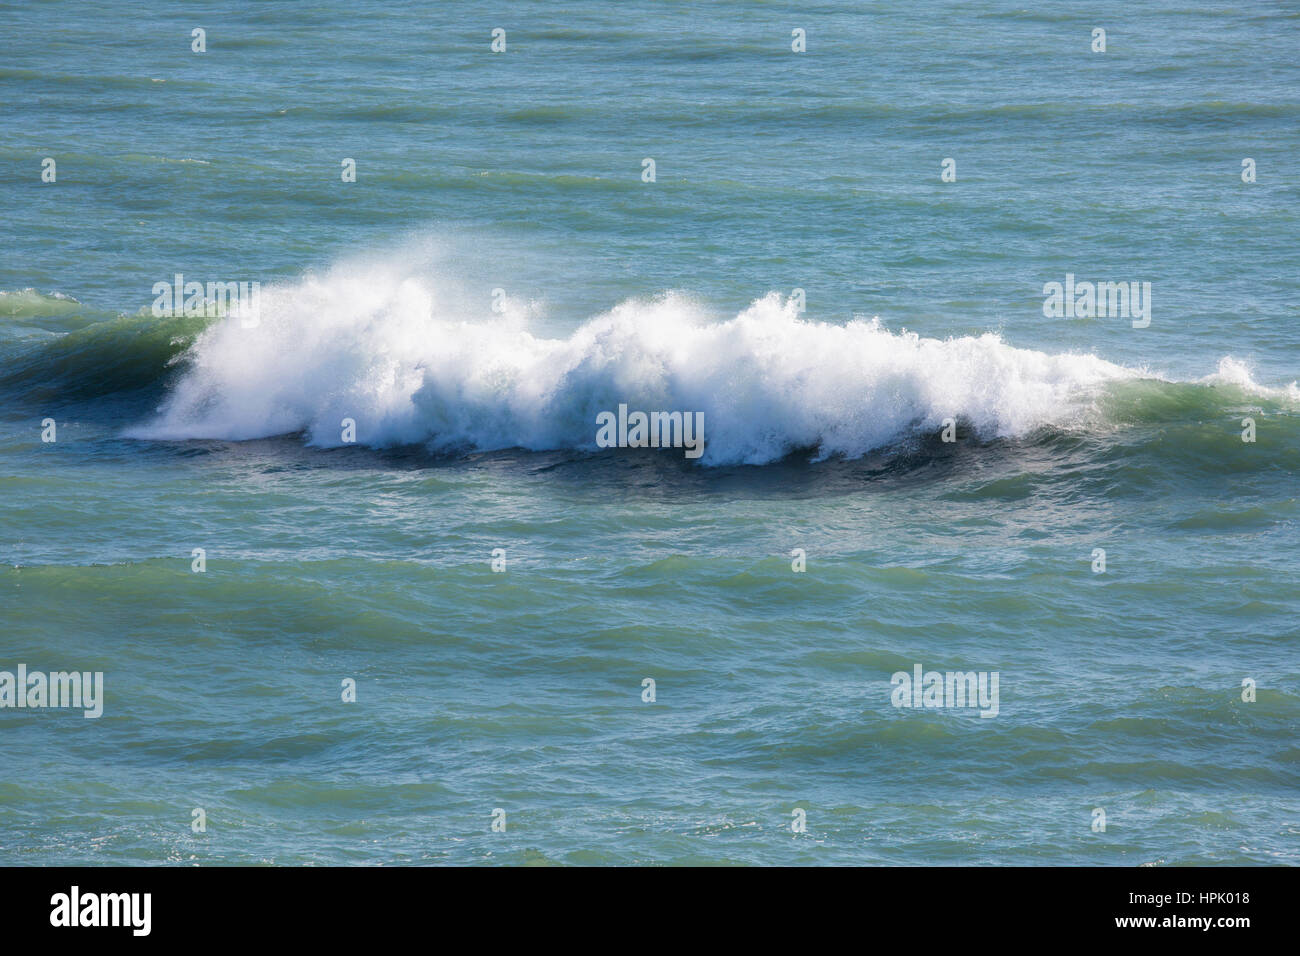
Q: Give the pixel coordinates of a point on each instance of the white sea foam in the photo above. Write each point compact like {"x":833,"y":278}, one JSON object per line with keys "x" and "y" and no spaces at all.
{"x":1236,"y":373}
{"x":401,"y":356}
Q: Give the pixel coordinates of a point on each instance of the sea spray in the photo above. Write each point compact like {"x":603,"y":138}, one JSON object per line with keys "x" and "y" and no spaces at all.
{"x":391,"y":352}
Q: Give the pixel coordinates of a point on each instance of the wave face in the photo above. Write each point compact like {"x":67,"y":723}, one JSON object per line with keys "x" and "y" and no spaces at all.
{"x":409,"y":366}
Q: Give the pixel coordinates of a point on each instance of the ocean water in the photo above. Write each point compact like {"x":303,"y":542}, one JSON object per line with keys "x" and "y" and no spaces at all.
{"x":498,"y":274}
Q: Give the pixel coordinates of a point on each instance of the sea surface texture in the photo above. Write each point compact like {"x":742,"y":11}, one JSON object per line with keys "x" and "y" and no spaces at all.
{"x":459,"y":631}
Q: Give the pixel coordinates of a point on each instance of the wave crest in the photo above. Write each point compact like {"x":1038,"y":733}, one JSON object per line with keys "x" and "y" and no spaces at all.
{"x":402,"y":357}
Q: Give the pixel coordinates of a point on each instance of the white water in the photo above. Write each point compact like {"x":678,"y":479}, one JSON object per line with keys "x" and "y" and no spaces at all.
{"x":398,"y":353}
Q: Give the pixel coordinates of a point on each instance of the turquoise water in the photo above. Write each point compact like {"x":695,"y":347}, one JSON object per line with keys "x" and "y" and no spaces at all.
{"x":521,"y":690}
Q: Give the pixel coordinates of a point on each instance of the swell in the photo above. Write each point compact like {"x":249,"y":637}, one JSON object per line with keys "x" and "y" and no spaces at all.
{"x":53,"y":348}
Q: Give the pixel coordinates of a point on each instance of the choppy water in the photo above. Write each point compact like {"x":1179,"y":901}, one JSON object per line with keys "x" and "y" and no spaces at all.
{"x":522,"y":690}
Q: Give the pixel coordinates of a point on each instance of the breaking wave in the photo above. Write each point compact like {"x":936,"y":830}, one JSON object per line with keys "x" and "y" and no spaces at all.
{"x":410,"y":365}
